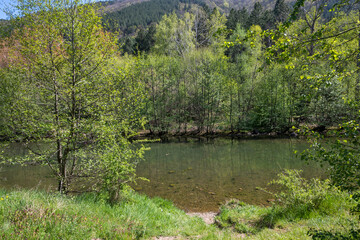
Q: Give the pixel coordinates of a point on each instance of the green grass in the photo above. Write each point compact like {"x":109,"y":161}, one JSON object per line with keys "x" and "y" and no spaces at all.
{"x":279,"y":222}
{"x":39,"y":215}
{"x":27,"y":214}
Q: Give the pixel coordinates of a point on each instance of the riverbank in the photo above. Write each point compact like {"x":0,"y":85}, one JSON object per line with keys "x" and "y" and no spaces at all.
{"x":147,"y":134}
{"x":39,"y":215}
{"x":33,"y":215}
{"x":242,"y":134}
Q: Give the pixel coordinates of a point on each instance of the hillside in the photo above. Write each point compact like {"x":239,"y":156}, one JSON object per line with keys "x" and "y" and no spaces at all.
{"x":225,"y":5}
{"x":127,"y":16}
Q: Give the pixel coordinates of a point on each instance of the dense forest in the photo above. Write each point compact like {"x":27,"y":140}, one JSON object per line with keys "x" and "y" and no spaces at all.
{"x":204,"y":71}
{"x":78,"y":84}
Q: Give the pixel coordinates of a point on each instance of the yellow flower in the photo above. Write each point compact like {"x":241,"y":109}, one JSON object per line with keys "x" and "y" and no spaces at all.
{"x":7,"y":196}
{"x":1,"y":199}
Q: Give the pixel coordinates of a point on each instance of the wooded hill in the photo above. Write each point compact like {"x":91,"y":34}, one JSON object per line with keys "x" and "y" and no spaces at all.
{"x":126,"y":16}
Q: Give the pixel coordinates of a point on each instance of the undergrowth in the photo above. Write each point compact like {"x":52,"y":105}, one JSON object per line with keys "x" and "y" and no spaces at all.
{"x":304,"y":209}
{"x":301,"y":207}
{"x":40,"y":215}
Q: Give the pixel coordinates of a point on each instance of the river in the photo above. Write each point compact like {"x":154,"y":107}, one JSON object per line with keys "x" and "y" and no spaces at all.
{"x":196,"y":174}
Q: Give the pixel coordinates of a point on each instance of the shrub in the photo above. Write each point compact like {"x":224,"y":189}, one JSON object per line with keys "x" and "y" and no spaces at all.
{"x":299,"y":191}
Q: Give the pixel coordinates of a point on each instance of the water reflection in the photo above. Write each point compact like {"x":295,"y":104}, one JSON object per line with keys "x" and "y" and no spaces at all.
{"x":196,"y":175}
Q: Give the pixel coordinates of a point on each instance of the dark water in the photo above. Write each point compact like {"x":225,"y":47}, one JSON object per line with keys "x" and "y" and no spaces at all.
{"x":198,"y":175}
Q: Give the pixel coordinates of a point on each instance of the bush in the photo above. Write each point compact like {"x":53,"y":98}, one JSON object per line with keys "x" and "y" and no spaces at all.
{"x":299,"y":191}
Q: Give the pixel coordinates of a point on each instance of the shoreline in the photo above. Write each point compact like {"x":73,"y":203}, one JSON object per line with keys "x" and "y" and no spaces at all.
{"x":147,"y":134}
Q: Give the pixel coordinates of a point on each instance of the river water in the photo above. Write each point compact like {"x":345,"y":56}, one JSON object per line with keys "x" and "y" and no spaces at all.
{"x":197,"y":174}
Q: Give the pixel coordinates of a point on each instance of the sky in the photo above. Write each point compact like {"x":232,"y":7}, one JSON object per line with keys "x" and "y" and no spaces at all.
{"x":3,"y":4}
{"x":7,"y":3}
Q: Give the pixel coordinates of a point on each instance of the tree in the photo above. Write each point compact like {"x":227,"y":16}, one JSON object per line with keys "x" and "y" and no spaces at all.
{"x":237,"y":17}
{"x":145,"y":39}
{"x":255,"y":17}
{"x":281,"y":11}
{"x":71,"y":97}
{"x":174,"y":35}
{"x":333,"y":45}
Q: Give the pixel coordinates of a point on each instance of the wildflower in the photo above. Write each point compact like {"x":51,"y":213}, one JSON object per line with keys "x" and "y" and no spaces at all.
{"x":2,"y":199}
{"x":7,"y":196}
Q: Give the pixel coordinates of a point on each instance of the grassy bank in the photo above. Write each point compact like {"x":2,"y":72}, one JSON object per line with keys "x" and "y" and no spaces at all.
{"x":279,"y":223}
{"x":303,"y":207}
{"x":39,"y":215}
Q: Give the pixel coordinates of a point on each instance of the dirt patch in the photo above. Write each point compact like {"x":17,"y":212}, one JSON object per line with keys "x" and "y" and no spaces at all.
{"x":208,"y":217}
{"x":166,"y":238}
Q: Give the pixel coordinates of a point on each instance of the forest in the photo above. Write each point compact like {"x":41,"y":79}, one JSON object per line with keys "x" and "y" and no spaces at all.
{"x":207,"y":72}
{"x":79,"y":84}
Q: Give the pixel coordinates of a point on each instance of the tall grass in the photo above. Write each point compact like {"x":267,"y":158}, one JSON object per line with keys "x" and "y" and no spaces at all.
{"x":303,"y":205}
{"x":39,"y":215}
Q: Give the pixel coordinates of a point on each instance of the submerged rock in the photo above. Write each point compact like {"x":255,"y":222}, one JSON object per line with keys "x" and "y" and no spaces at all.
{"x":137,"y":188}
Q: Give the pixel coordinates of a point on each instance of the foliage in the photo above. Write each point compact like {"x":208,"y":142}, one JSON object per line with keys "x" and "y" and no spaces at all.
{"x":174,"y":36}
{"x":301,"y":204}
{"x":341,"y":155}
{"x":73,"y":96}
{"x":36,"y":215}
{"x":298,"y":192}
{"x":327,"y":235}
{"x":184,"y":92}
{"x":141,"y":14}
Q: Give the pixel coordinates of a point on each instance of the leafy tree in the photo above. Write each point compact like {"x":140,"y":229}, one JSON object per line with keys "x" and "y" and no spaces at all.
{"x":341,"y":155}
{"x":201,"y":26}
{"x":319,"y":45}
{"x":71,"y":97}
{"x":145,"y":39}
{"x":129,"y":45}
{"x":174,"y":35}
{"x":217,"y":26}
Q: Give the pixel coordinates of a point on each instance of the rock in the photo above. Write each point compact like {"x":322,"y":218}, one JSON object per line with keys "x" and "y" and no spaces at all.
{"x":255,"y":132}
{"x":293,"y":134}
{"x":138,"y":188}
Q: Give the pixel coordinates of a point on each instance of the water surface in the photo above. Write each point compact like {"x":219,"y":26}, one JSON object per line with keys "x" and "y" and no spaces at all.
{"x":197,"y":175}
{"x":201,"y":175}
